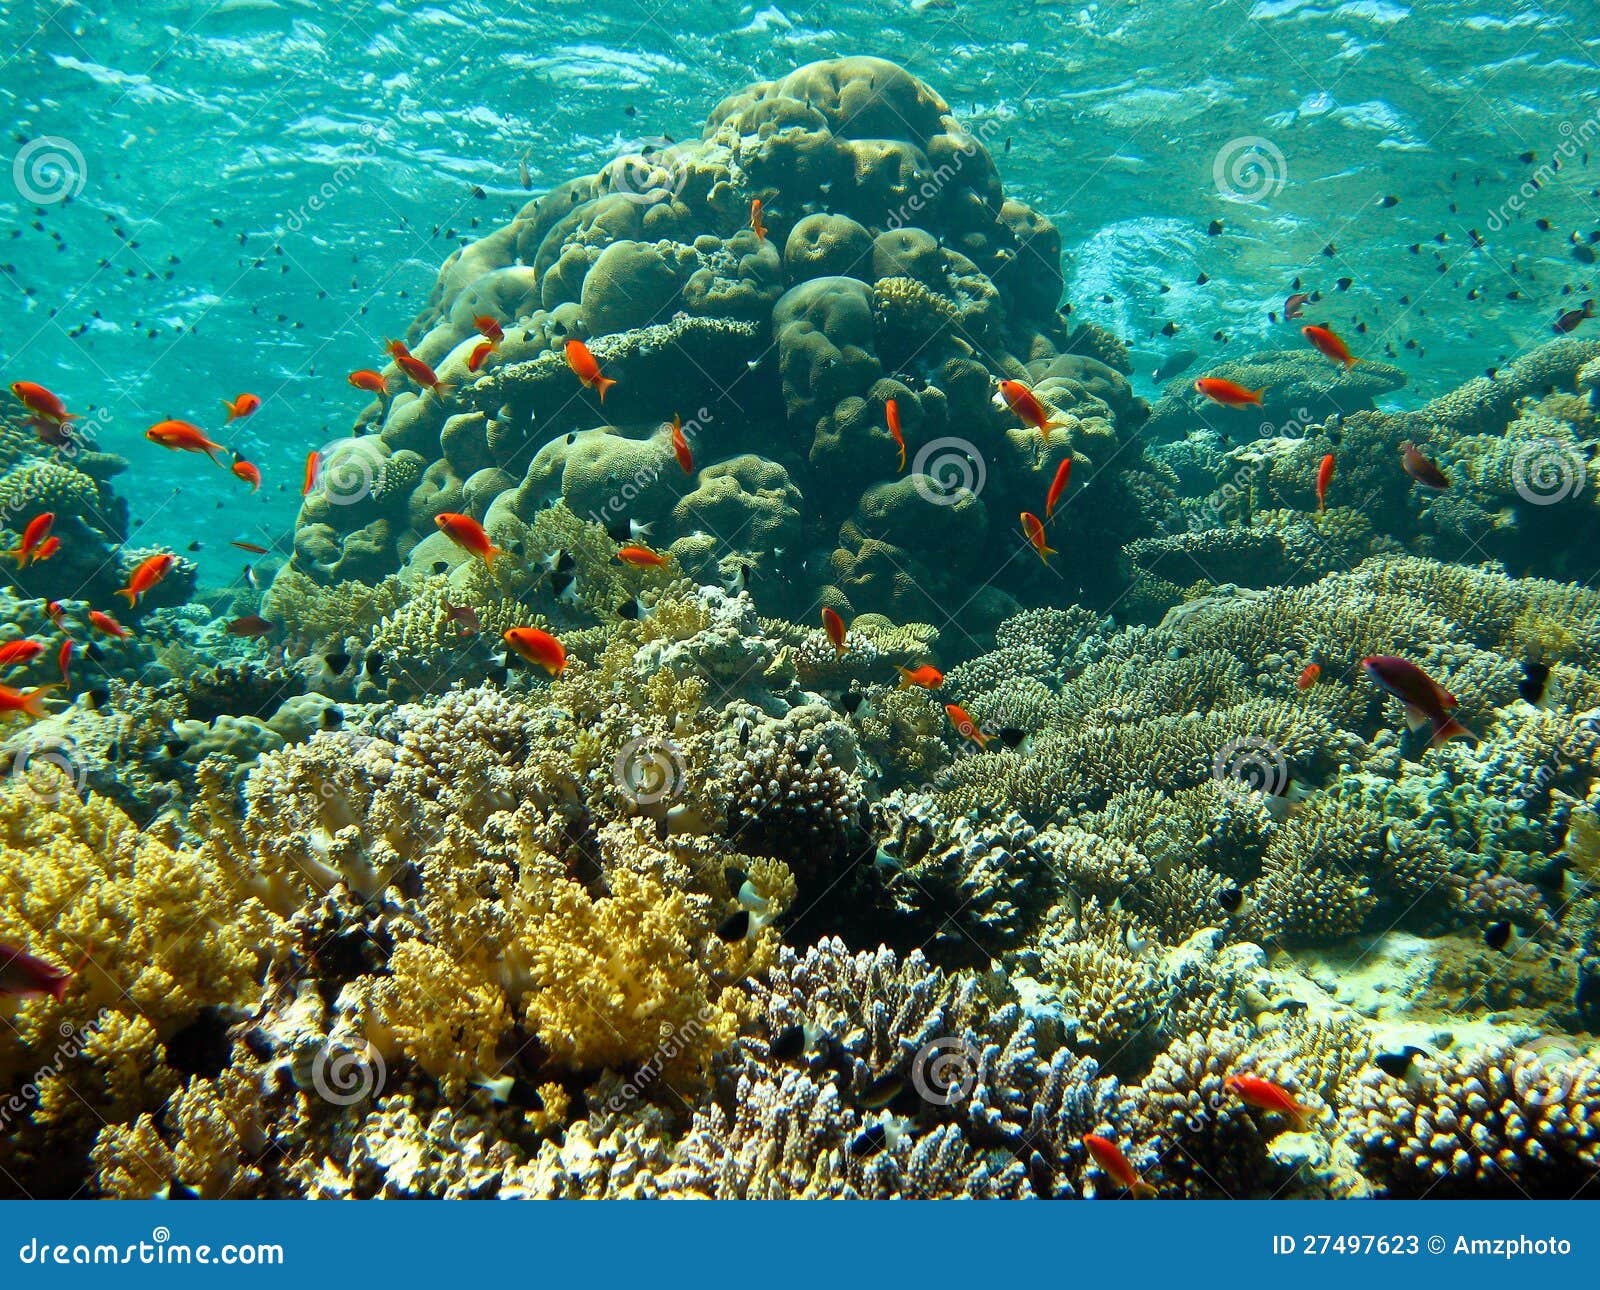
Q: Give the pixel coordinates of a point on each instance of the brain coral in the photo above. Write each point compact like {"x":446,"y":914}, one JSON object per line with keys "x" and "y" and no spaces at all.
{"x":892,"y":270}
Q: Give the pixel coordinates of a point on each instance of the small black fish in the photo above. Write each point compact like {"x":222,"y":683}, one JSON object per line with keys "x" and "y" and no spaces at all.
{"x":1397,"y":1064}
{"x":1214,"y":229}
{"x":1230,"y":898}
{"x":332,"y":718}
{"x":744,"y":734}
{"x":194,"y":546}
{"x":1526,"y":158}
{"x":735,"y":878}
{"x":735,"y":928}
{"x":337,"y":662}
{"x":99,"y":697}
{"x":632,"y":610}
{"x":1201,"y":280}
{"x":441,"y":566}
{"x":1535,"y":677}
{"x":175,"y":747}
{"x":177,"y":1190}
{"x":788,"y":1044}
{"x":374,"y":664}
{"x":881,"y":1092}
{"x":1583,"y":253}
{"x":1390,"y":201}
{"x":850,"y":702}
{"x":1170,"y":329}
{"x":804,"y":754}
{"x":871,"y":1140}
{"x":1010,"y":736}
{"x":565,"y":586}
{"x":1497,"y":935}
{"x":559,"y":562}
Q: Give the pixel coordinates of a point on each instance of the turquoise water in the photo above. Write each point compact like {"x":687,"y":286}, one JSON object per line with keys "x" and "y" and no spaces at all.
{"x":917,"y":600}
{"x":346,"y":145}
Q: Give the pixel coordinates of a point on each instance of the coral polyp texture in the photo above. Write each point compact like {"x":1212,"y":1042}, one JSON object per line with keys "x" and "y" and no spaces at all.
{"x":659,"y":765}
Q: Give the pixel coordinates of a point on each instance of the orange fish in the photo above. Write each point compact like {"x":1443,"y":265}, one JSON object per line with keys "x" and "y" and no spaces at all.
{"x":1421,"y":469}
{"x":1228,"y":393}
{"x":491,"y":331}
{"x":467,"y":534}
{"x":539,"y":648}
{"x":1308,"y":677}
{"x":38,"y":528}
{"x":1328,"y":343}
{"x":584,"y":367}
{"x":313,"y":466}
{"x":641,"y":557}
{"x":242,"y":406}
{"x":423,"y":375}
{"x":680,"y":446}
{"x":1427,"y":703}
{"x":47,"y":548}
{"x":183,"y":437}
{"x":891,"y":414}
{"x":395,"y":348}
{"x":1034,"y":529}
{"x":16,"y":653}
{"x":151,"y":570}
{"x":1108,"y":1155}
{"x":1020,"y":399}
{"x":926,"y":677}
{"x":28,"y":702}
{"x":756,"y":225}
{"x":250,"y":626}
{"x":42,"y":403}
{"x":372,"y":382}
{"x":250,"y":547}
{"x":965,"y":726}
{"x":57,"y":613}
{"x":1264,"y":1095}
{"x":834,"y":626}
{"x":1057,"y":486}
{"x":64,"y":660}
{"x":107,"y":624}
{"x":1324,"y":478}
{"x":246,"y":471}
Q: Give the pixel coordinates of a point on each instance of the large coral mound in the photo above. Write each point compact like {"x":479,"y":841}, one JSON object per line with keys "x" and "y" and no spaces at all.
{"x":892,"y":269}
